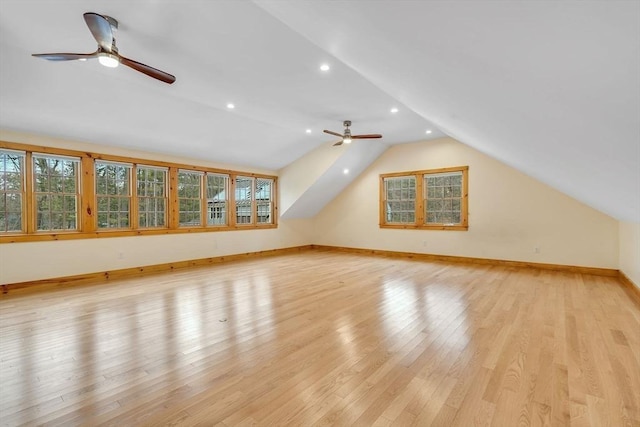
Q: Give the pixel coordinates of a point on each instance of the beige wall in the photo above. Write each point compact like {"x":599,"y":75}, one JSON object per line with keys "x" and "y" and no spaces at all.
{"x":630,"y":251}
{"x":41,"y":260}
{"x":510,"y":214}
{"x":298,"y":176}
{"x":21,"y":262}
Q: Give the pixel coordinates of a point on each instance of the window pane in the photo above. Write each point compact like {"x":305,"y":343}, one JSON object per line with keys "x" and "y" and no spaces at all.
{"x":151,"y":187}
{"x":443,"y":198}
{"x":244,"y":189}
{"x":113,"y":194}
{"x":189,"y":198}
{"x":400,"y":199}
{"x":56,"y":191}
{"x":11,"y":190}
{"x":217,"y":190}
{"x":263,"y":200}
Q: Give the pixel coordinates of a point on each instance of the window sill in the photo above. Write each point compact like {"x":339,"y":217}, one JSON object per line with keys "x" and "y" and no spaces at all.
{"x":73,"y":235}
{"x":426,"y":227}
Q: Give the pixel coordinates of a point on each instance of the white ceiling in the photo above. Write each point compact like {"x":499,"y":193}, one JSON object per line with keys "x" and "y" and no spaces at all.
{"x":551,"y":88}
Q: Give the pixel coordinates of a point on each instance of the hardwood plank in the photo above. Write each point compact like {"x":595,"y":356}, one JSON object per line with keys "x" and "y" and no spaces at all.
{"x":318,"y":337}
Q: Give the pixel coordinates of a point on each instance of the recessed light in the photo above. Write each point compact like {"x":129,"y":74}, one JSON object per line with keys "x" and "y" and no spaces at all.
{"x":325,"y":67}
{"x":346,"y":171}
{"x":429,"y":131}
{"x":308,"y":131}
{"x":230,"y":106}
{"x":394,"y":110}
{"x":82,"y":59}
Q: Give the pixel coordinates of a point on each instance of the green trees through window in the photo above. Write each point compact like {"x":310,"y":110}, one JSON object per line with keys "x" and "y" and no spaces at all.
{"x":152,"y":196}
{"x":53,"y":194}
{"x":11,"y":190}
{"x":190,"y":198}
{"x":56,"y":192}
{"x":113,"y":195}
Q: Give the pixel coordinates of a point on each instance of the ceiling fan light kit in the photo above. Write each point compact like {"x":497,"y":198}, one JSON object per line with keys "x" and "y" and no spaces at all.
{"x":108,"y":60}
{"x":103,"y":29}
{"x":347,"y":138}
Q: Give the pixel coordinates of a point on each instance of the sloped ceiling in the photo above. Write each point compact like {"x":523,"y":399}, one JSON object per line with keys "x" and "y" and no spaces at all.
{"x":551,"y":88}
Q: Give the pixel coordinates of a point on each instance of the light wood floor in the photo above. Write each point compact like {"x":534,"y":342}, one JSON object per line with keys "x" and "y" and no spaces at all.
{"x":325,"y":338}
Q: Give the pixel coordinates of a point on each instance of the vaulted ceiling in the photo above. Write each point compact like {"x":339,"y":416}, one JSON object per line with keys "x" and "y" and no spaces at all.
{"x":551,"y":88}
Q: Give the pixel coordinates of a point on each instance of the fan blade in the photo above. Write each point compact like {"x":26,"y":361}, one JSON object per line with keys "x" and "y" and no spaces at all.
{"x":149,"y":71}
{"x":101,"y":30}
{"x":338,"y":143}
{"x":369,"y":136}
{"x":64,"y":56}
{"x":333,"y":133}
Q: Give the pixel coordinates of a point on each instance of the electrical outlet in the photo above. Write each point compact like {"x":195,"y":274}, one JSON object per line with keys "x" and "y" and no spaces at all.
{"x":536,"y":249}
{"x":120,"y":255}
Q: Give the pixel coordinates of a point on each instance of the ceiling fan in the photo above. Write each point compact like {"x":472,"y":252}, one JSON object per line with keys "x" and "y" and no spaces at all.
{"x":347,"y":137}
{"x":103,"y":29}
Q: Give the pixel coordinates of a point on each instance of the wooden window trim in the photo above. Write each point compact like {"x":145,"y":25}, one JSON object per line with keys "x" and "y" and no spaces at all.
{"x":168,"y":185}
{"x":94,"y":225}
{"x":23,"y":191}
{"x":202,"y":197}
{"x":252,"y":208}
{"x":78,"y":193}
{"x":270,"y":199}
{"x":419,"y":203}
{"x":227,"y":193}
{"x":87,"y":198}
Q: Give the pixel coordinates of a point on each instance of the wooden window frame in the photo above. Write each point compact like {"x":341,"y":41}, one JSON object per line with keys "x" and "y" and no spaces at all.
{"x":384,"y":192}
{"x":164,"y":197}
{"x":252,"y":201}
{"x":201,"y":196}
{"x":257,"y":203}
{"x":227,"y":209}
{"x":118,"y":196}
{"x":420,"y":220}
{"x":87,"y":203}
{"x":22,"y":193}
{"x":77,"y":194}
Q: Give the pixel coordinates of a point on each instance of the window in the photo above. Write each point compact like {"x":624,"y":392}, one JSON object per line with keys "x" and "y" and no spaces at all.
{"x":263,"y":200}
{"x":56,"y":192}
{"x":244,"y":187}
{"x":189,"y":198}
{"x":11,"y":191}
{"x":443,"y":198}
{"x":254,"y":204}
{"x":152,"y":196}
{"x":217,"y":190}
{"x":113,"y":194}
{"x":430,"y":199}
{"x":400,"y":204}
{"x":51,"y":193}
